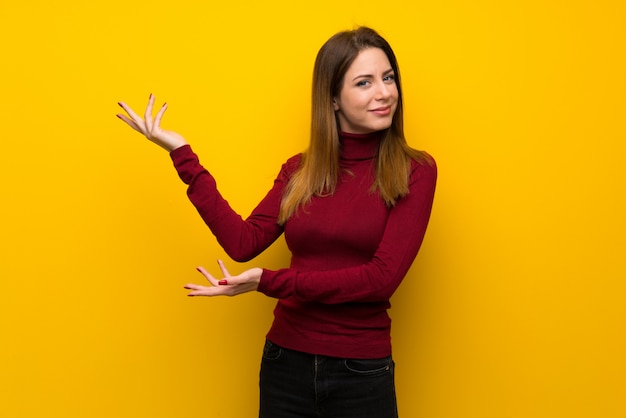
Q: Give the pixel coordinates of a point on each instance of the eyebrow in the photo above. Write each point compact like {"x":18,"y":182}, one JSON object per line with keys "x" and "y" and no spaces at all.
{"x":371,"y":76}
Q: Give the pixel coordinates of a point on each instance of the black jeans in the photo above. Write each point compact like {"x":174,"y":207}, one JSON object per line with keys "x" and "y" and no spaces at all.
{"x":301,"y":385}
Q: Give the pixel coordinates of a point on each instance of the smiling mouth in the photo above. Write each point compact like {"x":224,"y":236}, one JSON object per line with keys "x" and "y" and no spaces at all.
{"x":382,"y":110}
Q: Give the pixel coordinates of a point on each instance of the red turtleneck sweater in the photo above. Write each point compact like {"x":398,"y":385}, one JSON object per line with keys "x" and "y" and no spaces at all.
{"x":349,"y":250}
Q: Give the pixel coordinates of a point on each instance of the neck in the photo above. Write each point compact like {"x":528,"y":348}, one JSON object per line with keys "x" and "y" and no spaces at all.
{"x":360,"y":146}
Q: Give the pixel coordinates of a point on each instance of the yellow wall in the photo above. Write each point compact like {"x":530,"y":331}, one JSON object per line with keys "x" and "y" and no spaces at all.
{"x":516,"y":304}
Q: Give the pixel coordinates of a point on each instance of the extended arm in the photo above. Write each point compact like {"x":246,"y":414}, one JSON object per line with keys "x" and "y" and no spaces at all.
{"x":242,"y":240}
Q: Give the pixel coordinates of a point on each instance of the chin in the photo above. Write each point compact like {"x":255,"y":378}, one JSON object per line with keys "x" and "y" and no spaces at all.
{"x":381,"y":127}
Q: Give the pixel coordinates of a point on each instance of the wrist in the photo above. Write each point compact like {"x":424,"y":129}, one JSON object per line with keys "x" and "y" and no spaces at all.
{"x":256,"y":274}
{"x":175,"y":146}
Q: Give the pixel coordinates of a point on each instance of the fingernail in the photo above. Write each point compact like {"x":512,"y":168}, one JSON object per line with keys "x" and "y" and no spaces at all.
{"x":150,"y":95}
{"x":119,"y":116}
{"x":119,"y":104}
{"x":223,"y":282}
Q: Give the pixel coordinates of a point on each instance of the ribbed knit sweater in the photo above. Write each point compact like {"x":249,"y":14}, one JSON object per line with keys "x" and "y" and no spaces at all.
{"x":350,"y":251}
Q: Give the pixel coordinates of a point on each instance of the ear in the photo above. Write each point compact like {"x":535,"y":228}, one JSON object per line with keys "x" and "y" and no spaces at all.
{"x":335,"y":104}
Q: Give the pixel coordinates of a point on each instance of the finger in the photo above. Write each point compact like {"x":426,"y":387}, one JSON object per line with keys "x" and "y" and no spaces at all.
{"x":130,"y":111}
{"x":134,"y":121}
{"x":148,"y":114}
{"x":197,"y":290}
{"x":208,"y":276}
{"x":225,"y":272}
{"x":159,"y":115}
{"x":194,"y":286}
{"x":129,"y":122}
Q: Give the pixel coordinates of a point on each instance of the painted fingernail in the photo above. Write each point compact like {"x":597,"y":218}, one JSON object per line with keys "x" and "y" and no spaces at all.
{"x":119,"y":104}
{"x":223,"y":282}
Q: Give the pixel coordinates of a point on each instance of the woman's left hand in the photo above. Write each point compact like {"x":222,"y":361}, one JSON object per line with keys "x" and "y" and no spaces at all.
{"x":248,"y":281}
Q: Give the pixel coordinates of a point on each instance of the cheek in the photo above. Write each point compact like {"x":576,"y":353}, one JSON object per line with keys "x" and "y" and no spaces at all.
{"x":359,"y":101}
{"x":395,"y":91}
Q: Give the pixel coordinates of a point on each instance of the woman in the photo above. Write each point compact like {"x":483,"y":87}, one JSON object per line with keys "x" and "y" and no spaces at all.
{"x":354,"y":209}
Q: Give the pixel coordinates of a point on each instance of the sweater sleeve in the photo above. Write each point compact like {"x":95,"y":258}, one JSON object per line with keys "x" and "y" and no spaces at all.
{"x":241,"y":239}
{"x":377,"y":279}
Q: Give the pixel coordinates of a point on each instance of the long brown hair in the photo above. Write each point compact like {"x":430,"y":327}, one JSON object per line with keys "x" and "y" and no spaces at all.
{"x":319,"y":170}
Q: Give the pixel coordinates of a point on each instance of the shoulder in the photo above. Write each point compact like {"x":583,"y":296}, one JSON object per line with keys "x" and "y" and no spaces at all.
{"x":293,"y":162}
{"x":422,"y":163}
{"x":423,"y":174}
{"x":291,"y":166}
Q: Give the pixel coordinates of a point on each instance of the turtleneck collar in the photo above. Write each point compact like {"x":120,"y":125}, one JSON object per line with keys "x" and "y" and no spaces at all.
{"x":360,"y":146}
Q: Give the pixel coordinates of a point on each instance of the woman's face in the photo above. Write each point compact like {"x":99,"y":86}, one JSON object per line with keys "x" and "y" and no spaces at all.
{"x":369,"y":95}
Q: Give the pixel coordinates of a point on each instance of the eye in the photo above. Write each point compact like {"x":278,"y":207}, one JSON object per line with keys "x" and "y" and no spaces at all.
{"x":363,"y":83}
{"x":389,"y":78}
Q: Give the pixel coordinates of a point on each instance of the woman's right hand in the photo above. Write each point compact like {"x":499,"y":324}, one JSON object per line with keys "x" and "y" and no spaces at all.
{"x":151,"y":127}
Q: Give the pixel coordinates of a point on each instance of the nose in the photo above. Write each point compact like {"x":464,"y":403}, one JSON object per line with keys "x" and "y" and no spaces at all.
{"x":383,"y":92}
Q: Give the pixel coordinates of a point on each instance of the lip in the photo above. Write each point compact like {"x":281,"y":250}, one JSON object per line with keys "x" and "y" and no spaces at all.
{"x":382,"y":111}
